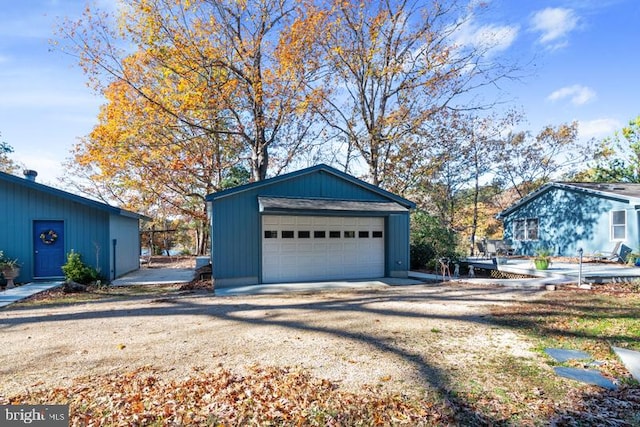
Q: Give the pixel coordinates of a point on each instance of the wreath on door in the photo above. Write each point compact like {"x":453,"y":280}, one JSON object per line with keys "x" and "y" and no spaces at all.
{"x":49,"y":237}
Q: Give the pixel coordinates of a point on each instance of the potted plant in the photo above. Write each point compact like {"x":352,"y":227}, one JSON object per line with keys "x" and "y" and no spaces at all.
{"x":542,"y":259}
{"x":10,"y":269}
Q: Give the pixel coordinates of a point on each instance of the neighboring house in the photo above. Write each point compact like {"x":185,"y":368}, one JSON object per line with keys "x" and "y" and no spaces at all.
{"x":310,"y":225}
{"x":40,"y":225}
{"x":567,"y":216}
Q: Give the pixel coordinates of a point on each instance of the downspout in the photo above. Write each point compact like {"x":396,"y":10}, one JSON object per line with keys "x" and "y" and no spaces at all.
{"x":115,"y":242}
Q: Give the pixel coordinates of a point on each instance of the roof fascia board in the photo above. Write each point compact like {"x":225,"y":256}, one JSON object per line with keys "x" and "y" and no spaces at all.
{"x":564,"y":186}
{"x":607,"y":194}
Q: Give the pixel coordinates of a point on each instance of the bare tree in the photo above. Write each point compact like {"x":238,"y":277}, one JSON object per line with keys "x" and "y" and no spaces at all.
{"x":395,"y":65}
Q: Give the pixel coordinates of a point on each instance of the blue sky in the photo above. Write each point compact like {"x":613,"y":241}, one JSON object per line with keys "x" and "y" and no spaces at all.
{"x":581,"y":61}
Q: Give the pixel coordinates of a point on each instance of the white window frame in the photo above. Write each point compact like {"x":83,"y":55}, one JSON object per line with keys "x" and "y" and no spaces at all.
{"x":612,"y":226}
{"x":526,"y":235}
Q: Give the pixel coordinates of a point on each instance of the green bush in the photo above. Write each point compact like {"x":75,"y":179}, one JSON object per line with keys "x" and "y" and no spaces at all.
{"x":430,"y":240}
{"x":421,"y":253}
{"x":76,"y":270}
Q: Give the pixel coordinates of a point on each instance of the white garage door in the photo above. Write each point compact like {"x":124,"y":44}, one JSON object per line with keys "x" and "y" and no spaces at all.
{"x":303,"y":248}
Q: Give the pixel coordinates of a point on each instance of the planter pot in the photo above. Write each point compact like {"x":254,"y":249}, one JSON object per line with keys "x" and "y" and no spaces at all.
{"x":541,"y":264}
{"x":10,"y":274}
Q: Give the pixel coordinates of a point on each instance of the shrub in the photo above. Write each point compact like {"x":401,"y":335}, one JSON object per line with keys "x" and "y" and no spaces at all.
{"x":76,"y":270}
{"x":430,"y":240}
{"x":421,"y":254}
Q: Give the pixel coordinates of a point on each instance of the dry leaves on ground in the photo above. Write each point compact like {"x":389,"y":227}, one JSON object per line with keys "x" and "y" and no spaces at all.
{"x":263,"y":396}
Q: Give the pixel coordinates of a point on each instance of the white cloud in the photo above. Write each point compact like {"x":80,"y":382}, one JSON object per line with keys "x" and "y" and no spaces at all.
{"x":597,"y":128}
{"x":554,"y":24}
{"x":491,"y":38}
{"x":579,"y":95}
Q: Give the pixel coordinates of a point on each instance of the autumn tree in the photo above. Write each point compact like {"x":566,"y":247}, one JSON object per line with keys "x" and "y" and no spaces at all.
{"x":148,"y":160}
{"x":395,"y":64}
{"x":617,"y":157}
{"x":196,"y":91}
{"x":525,"y":162}
{"x":452,"y":181}
{"x":254,"y":59}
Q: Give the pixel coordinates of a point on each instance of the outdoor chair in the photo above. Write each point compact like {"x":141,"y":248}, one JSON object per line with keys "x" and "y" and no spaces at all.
{"x":503,"y":248}
{"x":482,"y":250}
{"x":613,"y":255}
{"x":492,"y":250}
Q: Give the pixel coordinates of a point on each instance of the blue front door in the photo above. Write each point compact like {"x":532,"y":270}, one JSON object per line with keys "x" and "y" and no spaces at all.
{"x":48,"y":245}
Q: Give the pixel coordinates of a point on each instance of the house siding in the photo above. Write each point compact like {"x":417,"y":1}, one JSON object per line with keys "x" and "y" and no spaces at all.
{"x":127,"y":249}
{"x":86,"y":228}
{"x":236,"y":225}
{"x":569,"y":220}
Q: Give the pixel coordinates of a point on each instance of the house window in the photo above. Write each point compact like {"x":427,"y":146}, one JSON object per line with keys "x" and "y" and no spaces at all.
{"x":363,"y":234}
{"x":270,"y":234}
{"x":618,"y":225}
{"x":349,"y":234}
{"x":525,"y":229}
{"x":319,"y":234}
{"x":334,"y":234}
{"x":532,"y":229}
{"x":287,"y":234}
{"x":377,"y":234}
{"x":304,"y":234}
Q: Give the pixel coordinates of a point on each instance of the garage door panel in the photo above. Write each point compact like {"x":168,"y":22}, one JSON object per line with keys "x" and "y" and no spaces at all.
{"x":314,"y":254}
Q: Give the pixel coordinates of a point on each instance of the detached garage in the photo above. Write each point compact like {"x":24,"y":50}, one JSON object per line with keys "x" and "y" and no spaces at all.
{"x":311,"y":225}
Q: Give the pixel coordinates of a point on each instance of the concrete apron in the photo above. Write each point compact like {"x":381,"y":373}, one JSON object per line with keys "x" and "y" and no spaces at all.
{"x":283,"y":288}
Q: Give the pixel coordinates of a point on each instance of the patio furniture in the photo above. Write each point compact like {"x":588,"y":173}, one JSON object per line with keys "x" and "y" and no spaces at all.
{"x":612,"y":255}
{"x":492,"y":250}
{"x":498,"y":247}
{"x":482,"y":250}
{"x":503,"y":248}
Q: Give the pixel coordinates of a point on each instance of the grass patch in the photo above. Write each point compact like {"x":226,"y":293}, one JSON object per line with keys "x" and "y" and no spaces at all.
{"x":591,"y":321}
{"x":579,"y":320}
{"x":57,"y":296}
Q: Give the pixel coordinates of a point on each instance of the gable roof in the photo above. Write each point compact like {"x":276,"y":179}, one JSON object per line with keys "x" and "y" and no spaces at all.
{"x":621,"y":191}
{"x":314,"y":169}
{"x":69,"y":196}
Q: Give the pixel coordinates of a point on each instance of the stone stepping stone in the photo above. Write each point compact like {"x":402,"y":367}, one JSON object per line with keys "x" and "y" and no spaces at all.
{"x":562,"y":355}
{"x":588,"y":376}
{"x":630,"y":359}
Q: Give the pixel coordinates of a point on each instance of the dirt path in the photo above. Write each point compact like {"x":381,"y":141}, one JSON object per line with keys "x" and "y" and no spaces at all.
{"x":400,"y":339}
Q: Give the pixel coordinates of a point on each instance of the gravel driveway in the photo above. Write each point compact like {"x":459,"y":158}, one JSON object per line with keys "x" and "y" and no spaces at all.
{"x":399,"y":339}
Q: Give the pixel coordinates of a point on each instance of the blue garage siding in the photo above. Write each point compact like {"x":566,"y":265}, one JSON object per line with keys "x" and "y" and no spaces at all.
{"x":569,"y":220}
{"x":398,"y":246}
{"x":235,"y":250}
{"x":320,"y":185}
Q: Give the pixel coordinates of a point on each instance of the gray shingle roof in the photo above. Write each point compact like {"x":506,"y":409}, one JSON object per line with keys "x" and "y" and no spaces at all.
{"x":617,"y":188}
{"x":274,"y":204}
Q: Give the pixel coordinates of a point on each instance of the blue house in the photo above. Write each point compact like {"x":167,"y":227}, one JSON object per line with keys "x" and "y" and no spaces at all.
{"x":39,"y":225}
{"x":314,"y":224}
{"x":567,"y":216}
